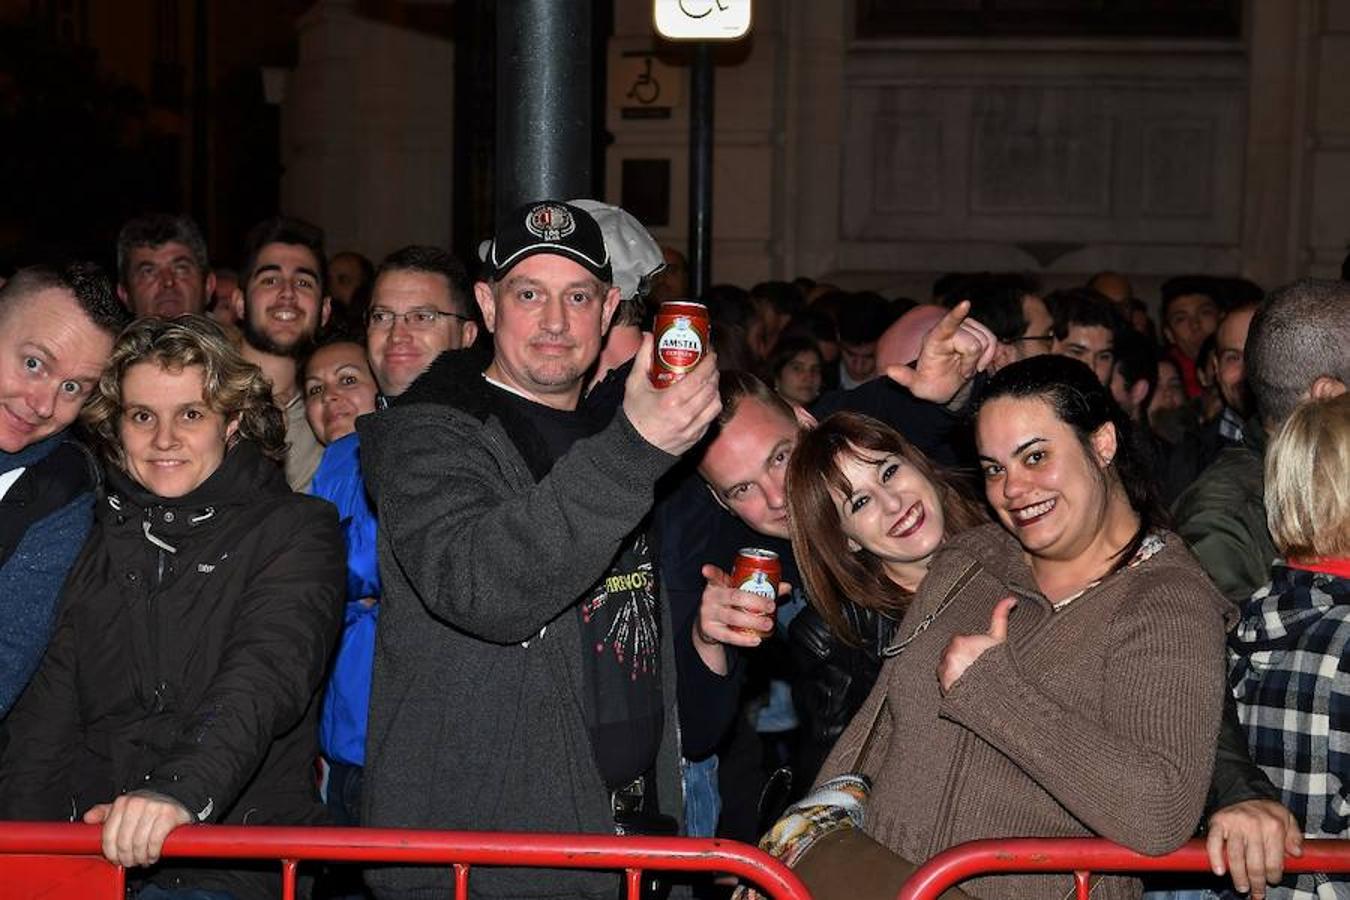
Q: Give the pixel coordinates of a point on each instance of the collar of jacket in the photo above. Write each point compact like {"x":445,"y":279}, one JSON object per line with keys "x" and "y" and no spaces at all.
{"x":1254,"y":435}
{"x":241,"y":478}
{"x":1000,"y":554}
{"x":33,"y":453}
{"x":1278,"y":614}
{"x":455,"y":379}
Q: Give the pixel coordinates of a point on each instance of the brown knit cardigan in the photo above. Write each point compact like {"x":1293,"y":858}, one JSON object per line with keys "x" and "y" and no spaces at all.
{"x":1100,"y":718}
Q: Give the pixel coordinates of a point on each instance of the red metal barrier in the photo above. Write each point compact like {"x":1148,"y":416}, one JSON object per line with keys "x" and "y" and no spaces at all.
{"x":1082,"y":857}
{"x":47,"y":855}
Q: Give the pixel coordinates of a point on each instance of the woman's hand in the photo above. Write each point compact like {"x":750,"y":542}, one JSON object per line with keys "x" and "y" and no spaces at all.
{"x":135,"y":826}
{"x":964,"y":649}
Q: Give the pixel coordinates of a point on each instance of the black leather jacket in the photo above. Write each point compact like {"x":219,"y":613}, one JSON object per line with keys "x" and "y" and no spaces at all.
{"x":831,"y":678}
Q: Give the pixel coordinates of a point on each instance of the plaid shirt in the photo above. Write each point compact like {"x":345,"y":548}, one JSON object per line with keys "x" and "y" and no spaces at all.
{"x":1290,"y":672}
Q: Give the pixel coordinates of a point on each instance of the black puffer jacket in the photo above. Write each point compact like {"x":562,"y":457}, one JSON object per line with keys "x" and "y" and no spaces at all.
{"x":831,"y":677}
{"x":191,"y":642}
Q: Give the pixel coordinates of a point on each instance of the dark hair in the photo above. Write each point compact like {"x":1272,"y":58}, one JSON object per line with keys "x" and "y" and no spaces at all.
{"x":812,"y":323}
{"x":86,"y":282}
{"x":365,"y":265}
{"x":1239,"y":293}
{"x":830,"y":303}
{"x":863,"y":318}
{"x":833,"y":574}
{"x":1079,"y":400}
{"x":156,"y":230}
{"x":284,"y":230}
{"x":1300,"y":333}
{"x":728,"y":304}
{"x":995,"y":301}
{"x":1205,"y":354}
{"x":735,"y":385}
{"x":787,"y":349}
{"x":1186,"y":285}
{"x":782,"y":296}
{"x":434,"y":261}
{"x":1150,"y":330}
{"x":1084,"y":307}
{"x":733,"y":351}
{"x":1137,"y":360}
{"x":945,"y":283}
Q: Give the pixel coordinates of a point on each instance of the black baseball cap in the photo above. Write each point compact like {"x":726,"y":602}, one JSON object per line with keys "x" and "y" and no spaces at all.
{"x":549,"y":226}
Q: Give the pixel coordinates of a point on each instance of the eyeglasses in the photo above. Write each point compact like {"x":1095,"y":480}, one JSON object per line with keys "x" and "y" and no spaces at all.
{"x":416,"y":319}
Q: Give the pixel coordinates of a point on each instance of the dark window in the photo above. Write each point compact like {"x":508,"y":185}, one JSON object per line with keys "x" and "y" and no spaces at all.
{"x":1053,"y":18}
{"x":645,"y":190}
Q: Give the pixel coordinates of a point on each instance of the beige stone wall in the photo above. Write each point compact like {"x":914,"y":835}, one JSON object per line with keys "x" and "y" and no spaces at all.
{"x":882,"y":163}
{"x":367,"y":132}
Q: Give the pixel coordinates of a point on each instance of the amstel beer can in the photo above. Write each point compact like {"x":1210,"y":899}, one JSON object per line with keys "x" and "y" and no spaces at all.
{"x":758,"y":572}
{"x":681,"y":340}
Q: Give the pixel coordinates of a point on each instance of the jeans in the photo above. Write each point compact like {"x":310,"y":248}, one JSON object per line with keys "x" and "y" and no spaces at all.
{"x":343,"y":797}
{"x":702,"y":802}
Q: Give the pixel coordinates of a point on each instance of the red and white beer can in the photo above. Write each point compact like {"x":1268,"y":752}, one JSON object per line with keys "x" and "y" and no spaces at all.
{"x":758,"y":572}
{"x":680,"y":340}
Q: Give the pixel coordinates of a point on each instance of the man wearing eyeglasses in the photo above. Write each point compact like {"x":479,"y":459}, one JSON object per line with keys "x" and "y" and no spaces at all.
{"x":420,"y":307}
{"x":162,"y":266}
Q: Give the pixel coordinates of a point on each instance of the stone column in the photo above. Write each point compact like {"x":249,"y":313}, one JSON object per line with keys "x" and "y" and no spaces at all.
{"x":367,"y":132}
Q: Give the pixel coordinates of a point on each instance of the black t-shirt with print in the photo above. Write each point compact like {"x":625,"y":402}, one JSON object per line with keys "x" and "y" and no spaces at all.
{"x":620,"y":626}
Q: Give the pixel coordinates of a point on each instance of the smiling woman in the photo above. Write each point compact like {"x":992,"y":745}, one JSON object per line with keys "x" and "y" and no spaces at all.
{"x":338,"y":387}
{"x":201,"y":612}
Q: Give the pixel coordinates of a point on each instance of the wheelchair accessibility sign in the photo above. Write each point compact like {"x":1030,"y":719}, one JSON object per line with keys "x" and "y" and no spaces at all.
{"x":702,"y":20}
{"x":643,"y":86}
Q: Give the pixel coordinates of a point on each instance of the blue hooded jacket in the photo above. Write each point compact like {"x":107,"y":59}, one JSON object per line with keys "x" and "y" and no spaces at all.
{"x":342,"y":721}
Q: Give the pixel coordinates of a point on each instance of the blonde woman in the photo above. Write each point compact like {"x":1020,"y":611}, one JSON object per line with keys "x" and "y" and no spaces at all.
{"x":194,"y":626}
{"x":1289,"y":655}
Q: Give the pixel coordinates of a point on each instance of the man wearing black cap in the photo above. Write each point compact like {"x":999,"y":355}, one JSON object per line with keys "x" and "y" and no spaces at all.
{"x":524,"y":678}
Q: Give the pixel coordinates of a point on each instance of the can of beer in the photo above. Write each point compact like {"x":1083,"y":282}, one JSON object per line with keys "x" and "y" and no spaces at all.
{"x":758,"y":572}
{"x":680,"y":340}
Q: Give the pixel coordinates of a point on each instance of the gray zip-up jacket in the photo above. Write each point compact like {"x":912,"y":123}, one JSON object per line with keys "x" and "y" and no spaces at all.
{"x":476,"y":713}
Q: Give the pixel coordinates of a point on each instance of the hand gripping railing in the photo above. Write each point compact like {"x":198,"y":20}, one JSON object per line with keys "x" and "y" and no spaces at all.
{"x":1084,"y":856}
{"x":28,"y":852}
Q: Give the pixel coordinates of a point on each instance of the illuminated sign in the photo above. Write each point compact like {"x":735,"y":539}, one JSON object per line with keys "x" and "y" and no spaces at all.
{"x":702,"y":20}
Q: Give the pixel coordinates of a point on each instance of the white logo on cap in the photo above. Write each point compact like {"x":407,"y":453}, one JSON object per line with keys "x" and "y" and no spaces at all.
{"x":549,"y":222}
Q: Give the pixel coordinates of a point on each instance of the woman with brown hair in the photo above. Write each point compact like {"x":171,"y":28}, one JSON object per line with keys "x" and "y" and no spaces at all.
{"x":194,"y":626}
{"x":867,"y":512}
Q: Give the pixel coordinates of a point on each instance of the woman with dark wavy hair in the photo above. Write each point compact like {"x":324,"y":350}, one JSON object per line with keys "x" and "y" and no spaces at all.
{"x":194,"y":627}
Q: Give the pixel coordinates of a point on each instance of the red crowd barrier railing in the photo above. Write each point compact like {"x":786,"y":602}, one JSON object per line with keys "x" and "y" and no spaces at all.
{"x":1085,"y":856}
{"x":39,"y":859}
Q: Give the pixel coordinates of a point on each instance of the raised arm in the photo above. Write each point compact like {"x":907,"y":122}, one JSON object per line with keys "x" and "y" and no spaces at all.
{"x":501,"y":562}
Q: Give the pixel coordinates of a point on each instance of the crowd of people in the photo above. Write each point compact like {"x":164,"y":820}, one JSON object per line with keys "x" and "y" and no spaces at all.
{"x":315,"y":540}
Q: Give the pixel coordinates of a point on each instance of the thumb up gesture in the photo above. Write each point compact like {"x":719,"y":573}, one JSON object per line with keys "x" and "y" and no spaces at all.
{"x":964,"y":649}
